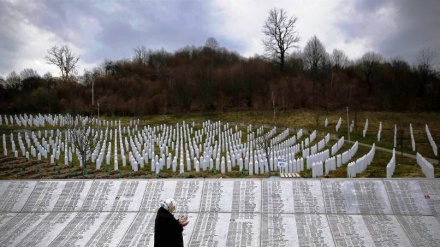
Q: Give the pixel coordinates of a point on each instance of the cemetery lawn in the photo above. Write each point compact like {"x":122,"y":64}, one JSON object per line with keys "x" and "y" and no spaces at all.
{"x":20,"y":168}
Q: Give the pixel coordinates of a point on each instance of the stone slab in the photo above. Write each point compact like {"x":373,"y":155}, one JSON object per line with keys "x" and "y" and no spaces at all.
{"x":223,"y":212}
{"x":414,"y":197}
{"x":355,"y":197}
{"x":14,"y":194}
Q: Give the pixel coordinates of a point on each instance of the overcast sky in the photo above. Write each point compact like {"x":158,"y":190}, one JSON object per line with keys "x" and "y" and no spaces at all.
{"x":107,"y":29}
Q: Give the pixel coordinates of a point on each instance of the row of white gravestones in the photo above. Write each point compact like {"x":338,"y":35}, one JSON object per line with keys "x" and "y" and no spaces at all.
{"x":413,"y":142}
{"x":25,"y":120}
{"x":322,"y":143}
{"x":306,"y":152}
{"x":365,"y":128}
{"x":283,"y":135}
{"x":431,"y":140}
{"x":395,"y":135}
{"x":59,"y":120}
{"x":312,"y":136}
{"x":361,"y":164}
{"x":347,"y":155}
{"x":4,"y":142}
{"x":306,"y":142}
{"x":332,"y":163}
{"x":379,"y":132}
{"x":33,"y":144}
{"x":271,"y":159}
{"x":315,"y":158}
{"x":293,"y":165}
{"x":427,"y":167}
{"x":351,"y":169}
{"x":365,"y":160}
{"x":317,"y":169}
{"x":391,"y":166}
{"x":338,"y":125}
{"x":100,"y":157}
{"x":335,"y":148}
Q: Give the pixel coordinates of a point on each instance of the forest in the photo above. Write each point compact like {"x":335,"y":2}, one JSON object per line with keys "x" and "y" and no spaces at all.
{"x":210,"y":78}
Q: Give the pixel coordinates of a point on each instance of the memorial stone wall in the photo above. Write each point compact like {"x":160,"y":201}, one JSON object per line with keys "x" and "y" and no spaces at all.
{"x":223,"y":212}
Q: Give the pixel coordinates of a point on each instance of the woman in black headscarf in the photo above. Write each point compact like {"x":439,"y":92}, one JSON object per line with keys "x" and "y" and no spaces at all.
{"x":168,"y":230}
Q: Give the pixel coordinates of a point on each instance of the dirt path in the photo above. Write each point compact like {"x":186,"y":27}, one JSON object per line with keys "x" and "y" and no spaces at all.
{"x":432,"y":161}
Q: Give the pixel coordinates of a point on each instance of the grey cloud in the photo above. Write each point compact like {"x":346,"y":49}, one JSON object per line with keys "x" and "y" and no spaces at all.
{"x":123,"y":25}
{"x":9,"y":40}
{"x":418,"y":27}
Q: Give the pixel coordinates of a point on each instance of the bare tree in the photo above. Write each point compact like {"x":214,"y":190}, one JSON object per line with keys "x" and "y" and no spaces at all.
{"x":314,"y":54}
{"x":13,"y":82}
{"x":280,"y":35}
{"x":263,"y":143}
{"x":425,"y":59}
{"x":212,"y":43}
{"x":338,"y":59}
{"x":80,"y":133}
{"x":28,"y":73}
{"x":368,"y":64}
{"x":141,"y":55}
{"x":48,"y":76}
{"x":64,"y":59}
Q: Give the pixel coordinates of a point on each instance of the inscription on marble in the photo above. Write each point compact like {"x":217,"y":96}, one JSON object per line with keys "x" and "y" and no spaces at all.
{"x":152,"y":196}
{"x":407,"y":198}
{"x":333,"y":197}
{"x":431,"y":194}
{"x":355,"y":197}
{"x":5,"y":217}
{"x":43,"y":197}
{"x":277,"y":229}
{"x":128,"y":196}
{"x":72,"y":196}
{"x":76,"y":232}
{"x":111,"y":230}
{"x":307,"y":196}
{"x":313,"y":230}
{"x":273,"y":222}
{"x":422,"y":230}
{"x":243,"y":230}
{"x":385,"y":230}
{"x":223,"y":212}
{"x":15,"y":229}
{"x":187,"y":195}
{"x":246,"y":196}
{"x":47,"y":229}
{"x":277,"y":197}
{"x":114,"y":196}
{"x":98,"y":197}
{"x":349,"y":230}
{"x":13,"y":195}
{"x":371,"y":197}
{"x":211,"y":196}
{"x":204,"y":234}
{"x":141,"y":231}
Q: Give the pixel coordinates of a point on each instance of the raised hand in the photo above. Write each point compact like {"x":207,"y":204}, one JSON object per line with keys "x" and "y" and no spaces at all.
{"x":183,"y":221}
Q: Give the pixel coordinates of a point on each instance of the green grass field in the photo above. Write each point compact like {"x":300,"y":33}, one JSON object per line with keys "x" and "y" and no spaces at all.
{"x":11,"y":168}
